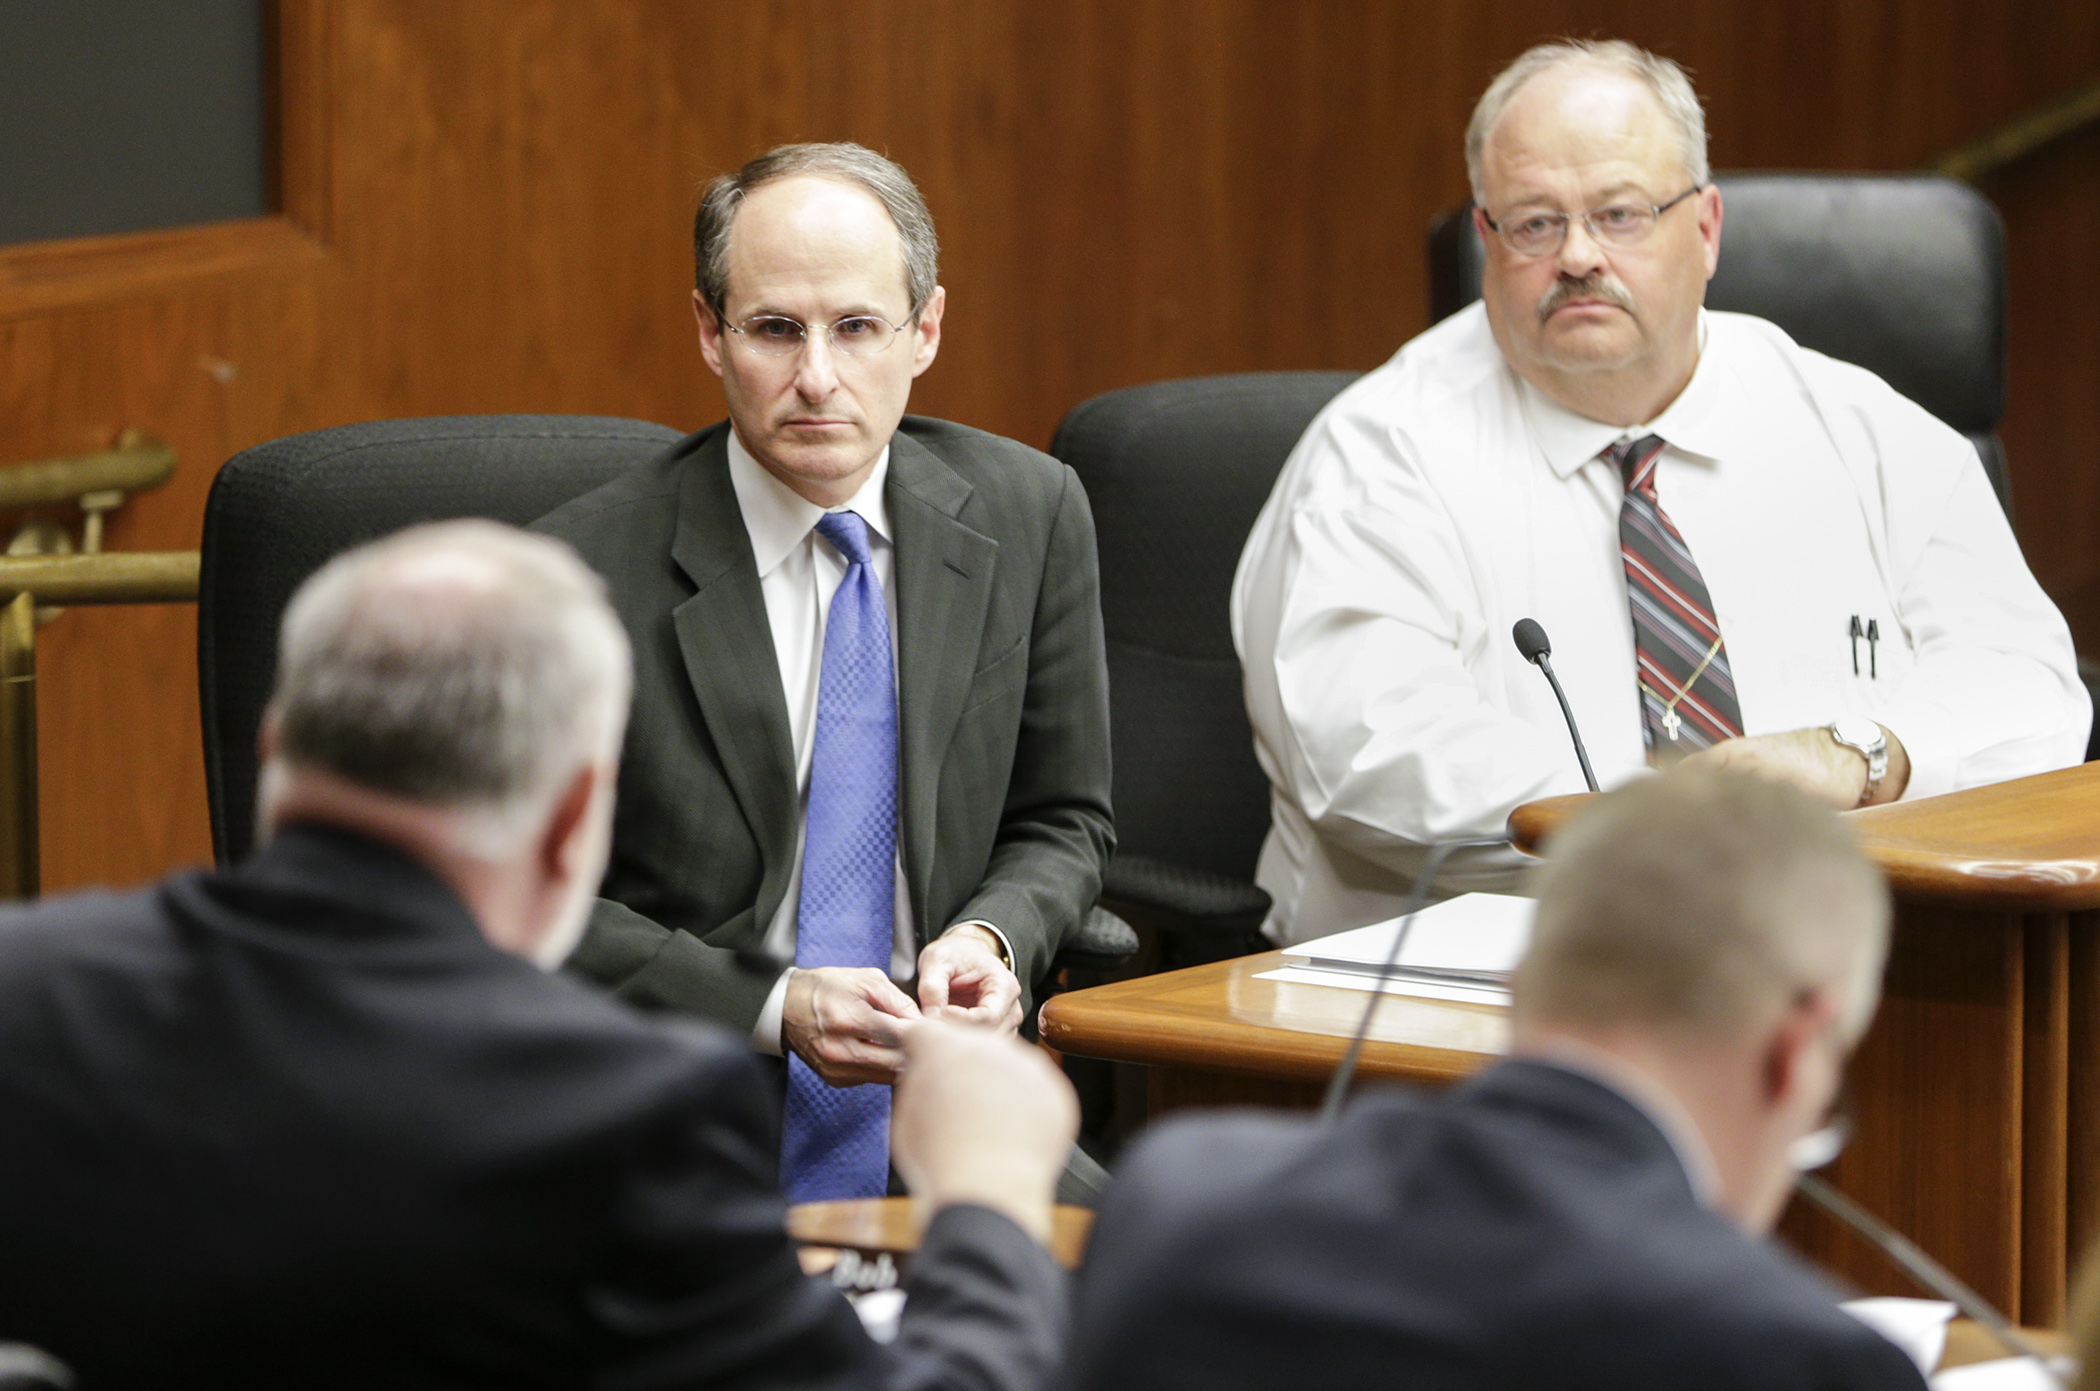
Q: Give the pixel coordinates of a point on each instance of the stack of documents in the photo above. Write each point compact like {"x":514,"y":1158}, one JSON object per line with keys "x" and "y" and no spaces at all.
{"x":1461,"y":949}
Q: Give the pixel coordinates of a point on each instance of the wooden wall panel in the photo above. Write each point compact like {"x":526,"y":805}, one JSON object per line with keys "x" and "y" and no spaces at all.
{"x":498,"y":195}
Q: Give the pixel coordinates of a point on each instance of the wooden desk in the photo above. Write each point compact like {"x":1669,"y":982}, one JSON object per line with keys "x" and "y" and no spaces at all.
{"x":1978,"y":1088}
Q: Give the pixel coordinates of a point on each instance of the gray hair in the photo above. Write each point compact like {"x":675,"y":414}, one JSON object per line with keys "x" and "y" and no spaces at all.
{"x":461,"y":664}
{"x":1703,"y":902}
{"x":846,"y":162}
{"x":1672,"y":89}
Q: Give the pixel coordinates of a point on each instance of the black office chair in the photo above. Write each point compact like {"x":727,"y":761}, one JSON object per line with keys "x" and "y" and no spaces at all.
{"x":1903,"y":274}
{"x":278,"y":511}
{"x":1176,"y":472}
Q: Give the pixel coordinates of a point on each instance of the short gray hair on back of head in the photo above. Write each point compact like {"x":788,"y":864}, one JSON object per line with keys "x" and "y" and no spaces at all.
{"x":1672,"y":89}
{"x":846,"y":162}
{"x":465,"y":665}
{"x":1701,"y":903}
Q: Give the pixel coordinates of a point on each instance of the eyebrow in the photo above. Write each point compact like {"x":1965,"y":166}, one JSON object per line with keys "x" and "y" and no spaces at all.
{"x":1611,"y":193}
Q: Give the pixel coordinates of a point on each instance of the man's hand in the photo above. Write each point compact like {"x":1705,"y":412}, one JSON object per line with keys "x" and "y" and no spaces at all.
{"x":982,"y":1118}
{"x":961,"y":978}
{"x":848,"y":1023}
{"x":1813,"y":761}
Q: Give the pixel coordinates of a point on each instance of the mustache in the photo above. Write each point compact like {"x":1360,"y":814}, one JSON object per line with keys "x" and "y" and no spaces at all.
{"x":1599,"y":284}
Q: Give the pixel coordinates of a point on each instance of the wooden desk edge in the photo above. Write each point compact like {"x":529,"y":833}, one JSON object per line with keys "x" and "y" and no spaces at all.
{"x":1927,"y":861}
{"x":1119,"y":1023}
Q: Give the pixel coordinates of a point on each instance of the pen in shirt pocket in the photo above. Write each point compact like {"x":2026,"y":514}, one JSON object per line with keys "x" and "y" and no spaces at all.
{"x":1872,"y":633}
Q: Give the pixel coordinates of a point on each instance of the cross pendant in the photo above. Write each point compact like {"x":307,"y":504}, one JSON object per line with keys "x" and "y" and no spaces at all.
{"x":1671,"y":724}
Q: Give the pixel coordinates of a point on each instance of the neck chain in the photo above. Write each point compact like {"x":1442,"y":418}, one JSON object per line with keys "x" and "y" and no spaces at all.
{"x":1671,"y":720}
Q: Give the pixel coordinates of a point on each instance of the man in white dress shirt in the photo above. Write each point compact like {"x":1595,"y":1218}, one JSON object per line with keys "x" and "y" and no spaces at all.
{"x":1699,"y":511}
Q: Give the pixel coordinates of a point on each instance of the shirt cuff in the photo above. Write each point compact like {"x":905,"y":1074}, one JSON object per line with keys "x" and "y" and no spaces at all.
{"x":1006,"y":946}
{"x":765,"y":1034}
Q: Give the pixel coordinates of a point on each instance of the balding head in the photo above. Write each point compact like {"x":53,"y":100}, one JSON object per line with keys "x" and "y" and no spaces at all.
{"x":1699,"y":905}
{"x":462,"y":666}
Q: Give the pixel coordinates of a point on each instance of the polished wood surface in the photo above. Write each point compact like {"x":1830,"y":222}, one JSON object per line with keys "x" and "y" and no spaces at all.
{"x":485,"y":206}
{"x":894,"y":1225}
{"x":2029,"y":845}
{"x":1969,"y":1342}
{"x":1207,"y":1014}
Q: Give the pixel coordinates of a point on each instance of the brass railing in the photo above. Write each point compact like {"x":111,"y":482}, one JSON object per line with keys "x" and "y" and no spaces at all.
{"x":32,"y":582}
{"x":2022,"y":135}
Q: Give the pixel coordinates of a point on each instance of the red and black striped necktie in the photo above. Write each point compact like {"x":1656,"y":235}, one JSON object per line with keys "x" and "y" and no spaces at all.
{"x":1688,"y":699}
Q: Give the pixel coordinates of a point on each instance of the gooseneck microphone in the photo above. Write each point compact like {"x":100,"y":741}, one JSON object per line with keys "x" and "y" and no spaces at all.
{"x":1345,"y":1073}
{"x":1532,"y":644}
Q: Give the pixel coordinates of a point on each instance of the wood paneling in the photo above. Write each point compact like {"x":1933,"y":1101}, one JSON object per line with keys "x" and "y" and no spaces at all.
{"x":486,"y":207}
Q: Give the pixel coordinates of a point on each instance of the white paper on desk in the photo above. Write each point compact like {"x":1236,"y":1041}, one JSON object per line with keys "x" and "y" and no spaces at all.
{"x":2006,"y":1374}
{"x":1918,"y":1326}
{"x":1419,"y":989}
{"x":1473,"y":940}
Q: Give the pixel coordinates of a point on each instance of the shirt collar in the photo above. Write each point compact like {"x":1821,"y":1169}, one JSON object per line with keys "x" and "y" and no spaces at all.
{"x":1642,"y":1093}
{"x":779,"y":519}
{"x":1693,"y":424}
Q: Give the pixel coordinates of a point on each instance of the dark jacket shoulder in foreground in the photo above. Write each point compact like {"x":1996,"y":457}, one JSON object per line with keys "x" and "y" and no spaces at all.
{"x":300,"y":1125}
{"x":1532,"y":1228}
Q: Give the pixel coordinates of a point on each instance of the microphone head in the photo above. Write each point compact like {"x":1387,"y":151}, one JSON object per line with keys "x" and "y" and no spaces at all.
{"x":1531,"y":640}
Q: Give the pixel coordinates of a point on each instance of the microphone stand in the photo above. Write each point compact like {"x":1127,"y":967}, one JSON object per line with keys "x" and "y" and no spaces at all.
{"x":1345,"y":1073}
{"x":1924,"y":1269}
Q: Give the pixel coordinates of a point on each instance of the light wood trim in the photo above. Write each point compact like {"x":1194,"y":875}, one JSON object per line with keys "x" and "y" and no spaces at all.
{"x":302,"y":86}
{"x":2029,"y":845}
{"x":38,"y":277}
{"x":894,"y":1225}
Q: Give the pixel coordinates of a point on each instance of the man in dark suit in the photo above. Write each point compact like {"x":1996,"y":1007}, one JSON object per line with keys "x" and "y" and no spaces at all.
{"x":324,"y":1121}
{"x":817,"y":306}
{"x":1587,"y":1214}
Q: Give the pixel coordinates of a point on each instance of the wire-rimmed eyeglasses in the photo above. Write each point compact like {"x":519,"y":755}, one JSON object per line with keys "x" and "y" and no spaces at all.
{"x":777,"y":335}
{"x":1541,"y":233}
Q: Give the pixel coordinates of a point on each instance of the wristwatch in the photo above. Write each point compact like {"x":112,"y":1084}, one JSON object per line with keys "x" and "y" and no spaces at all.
{"x":1858,"y":732}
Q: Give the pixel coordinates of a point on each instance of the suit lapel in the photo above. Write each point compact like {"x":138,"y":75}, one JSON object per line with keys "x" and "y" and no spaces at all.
{"x":943,"y":574}
{"x":727,"y":646}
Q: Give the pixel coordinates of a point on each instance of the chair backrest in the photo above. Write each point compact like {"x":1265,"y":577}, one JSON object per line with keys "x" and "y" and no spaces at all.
{"x":1902,"y":274}
{"x":1176,"y":473}
{"x":278,"y":511}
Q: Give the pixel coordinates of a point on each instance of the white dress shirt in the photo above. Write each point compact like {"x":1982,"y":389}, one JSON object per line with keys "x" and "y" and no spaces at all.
{"x":798,"y":573}
{"x":1440,"y":499}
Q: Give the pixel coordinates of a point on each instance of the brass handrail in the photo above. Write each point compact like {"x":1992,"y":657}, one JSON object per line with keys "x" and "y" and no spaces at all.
{"x":137,"y":462}
{"x":107,"y":577}
{"x":18,"y":833}
{"x":2022,"y":135}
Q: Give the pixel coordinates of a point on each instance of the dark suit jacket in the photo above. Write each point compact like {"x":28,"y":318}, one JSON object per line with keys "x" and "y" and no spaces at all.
{"x":298,"y":1124}
{"x":1002,"y":713}
{"x":1531,"y":1228}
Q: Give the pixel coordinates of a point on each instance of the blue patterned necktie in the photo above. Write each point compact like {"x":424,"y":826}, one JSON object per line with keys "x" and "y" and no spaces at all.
{"x":835,"y":1141}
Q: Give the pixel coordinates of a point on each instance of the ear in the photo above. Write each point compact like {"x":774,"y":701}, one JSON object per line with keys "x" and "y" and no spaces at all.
{"x":1708,"y":200}
{"x":927,"y":338}
{"x":1791,"y":1042}
{"x":710,"y":333}
{"x":266,"y":737}
{"x":562,"y":838}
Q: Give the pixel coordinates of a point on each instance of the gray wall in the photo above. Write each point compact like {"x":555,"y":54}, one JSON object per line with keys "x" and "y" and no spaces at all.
{"x":119,"y":115}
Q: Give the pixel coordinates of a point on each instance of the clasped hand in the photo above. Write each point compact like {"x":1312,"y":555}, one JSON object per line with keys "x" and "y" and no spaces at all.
{"x":850,"y":1023}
